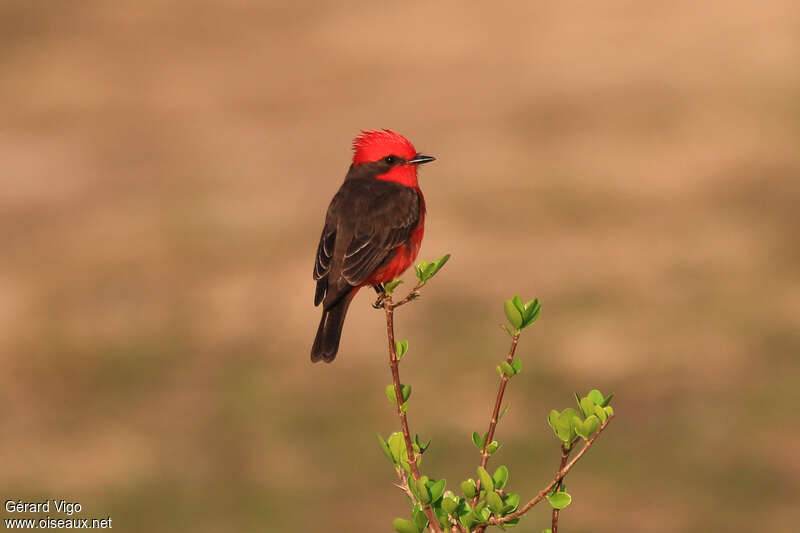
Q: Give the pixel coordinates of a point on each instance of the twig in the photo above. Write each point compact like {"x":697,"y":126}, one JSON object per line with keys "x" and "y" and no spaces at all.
{"x":412,"y":458}
{"x":561,"y":474}
{"x":457,"y":526}
{"x":495,"y":415}
{"x":564,"y":457}
{"x":403,"y":485}
{"x":412,"y":295}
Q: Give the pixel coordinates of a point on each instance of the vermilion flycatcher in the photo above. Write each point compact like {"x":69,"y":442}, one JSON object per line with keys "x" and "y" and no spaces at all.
{"x":373,"y":229}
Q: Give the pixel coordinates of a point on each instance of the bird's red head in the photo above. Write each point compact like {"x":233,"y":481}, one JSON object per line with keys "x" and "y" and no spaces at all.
{"x":391,"y":147}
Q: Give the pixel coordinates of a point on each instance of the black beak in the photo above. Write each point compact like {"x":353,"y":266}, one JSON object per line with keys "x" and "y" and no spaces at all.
{"x":420,"y":159}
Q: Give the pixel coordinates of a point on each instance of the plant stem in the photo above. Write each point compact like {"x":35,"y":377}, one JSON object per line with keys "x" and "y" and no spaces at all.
{"x":495,"y":415}
{"x":564,"y":457}
{"x":413,"y":294}
{"x":561,"y":474}
{"x":403,"y":485}
{"x":393,"y":364}
{"x":456,"y":527}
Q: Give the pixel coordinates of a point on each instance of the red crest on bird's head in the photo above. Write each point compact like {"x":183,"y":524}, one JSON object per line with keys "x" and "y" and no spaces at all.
{"x":374,"y":145}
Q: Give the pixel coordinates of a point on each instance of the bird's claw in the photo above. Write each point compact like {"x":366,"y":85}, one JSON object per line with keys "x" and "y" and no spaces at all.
{"x":379,"y":288}
{"x":379,"y":302}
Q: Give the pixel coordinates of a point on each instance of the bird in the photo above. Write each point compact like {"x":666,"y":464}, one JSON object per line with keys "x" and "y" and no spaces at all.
{"x":373,"y":230}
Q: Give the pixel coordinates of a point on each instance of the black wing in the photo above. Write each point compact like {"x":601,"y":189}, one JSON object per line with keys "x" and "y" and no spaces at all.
{"x":366,"y":221}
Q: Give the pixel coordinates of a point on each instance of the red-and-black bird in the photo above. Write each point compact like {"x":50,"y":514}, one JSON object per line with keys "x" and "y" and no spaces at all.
{"x":373,"y":229}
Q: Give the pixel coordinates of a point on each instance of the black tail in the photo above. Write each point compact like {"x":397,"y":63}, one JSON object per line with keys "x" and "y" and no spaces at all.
{"x":326,"y":344}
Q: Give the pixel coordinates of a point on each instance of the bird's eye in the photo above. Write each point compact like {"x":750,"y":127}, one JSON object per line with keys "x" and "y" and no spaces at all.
{"x":390,"y":159}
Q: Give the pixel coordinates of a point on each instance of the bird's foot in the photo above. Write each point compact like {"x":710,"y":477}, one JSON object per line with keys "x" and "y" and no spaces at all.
{"x":381,"y":296}
{"x":379,"y":302}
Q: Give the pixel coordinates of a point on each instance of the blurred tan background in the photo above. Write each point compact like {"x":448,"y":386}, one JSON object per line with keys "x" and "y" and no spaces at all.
{"x":166,"y":167}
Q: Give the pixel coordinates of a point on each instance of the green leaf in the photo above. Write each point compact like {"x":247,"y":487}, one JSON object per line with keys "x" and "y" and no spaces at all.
{"x":562,"y":424}
{"x":385,"y":449}
{"x":405,"y":392}
{"x":559,"y":500}
{"x":486,"y":480}
{"x":427,"y":273}
{"x":609,"y":410}
{"x":420,"y":519}
{"x":587,"y":406}
{"x":607,"y":400}
{"x":422,"y":447}
{"x":592,"y":424}
{"x":401,"y":348}
{"x":508,"y":370}
{"x":512,"y":314}
{"x":450,"y":505}
{"x":422,"y":489}
{"x":425,"y":270}
{"x":600,"y":413}
{"x":495,"y":503}
{"x":500,"y":477}
{"x":469,"y":488}
{"x":517,"y":301}
{"x":476,"y":440}
{"x":404,"y":407}
{"x":390,"y":394}
{"x":397,"y":445}
{"x":412,"y":486}
{"x":468,"y":520}
{"x":516,"y":364}
{"x":492,"y":447}
{"x":511,"y":502}
{"x":437,"y":489}
{"x":531,"y":313}
{"x":587,"y":427}
{"x":503,"y":412}
{"x":480,"y":514}
{"x":390,"y":286}
{"x":441,"y":517}
{"x":405,"y":526}
{"x":552,"y":418}
{"x":596,"y":396}
{"x":421,"y":266}
{"x":439,"y":264}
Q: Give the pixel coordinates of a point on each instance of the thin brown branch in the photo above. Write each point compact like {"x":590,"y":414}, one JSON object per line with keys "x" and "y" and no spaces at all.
{"x":412,"y":295}
{"x":393,"y":364}
{"x":456,"y":526}
{"x":403,"y":485}
{"x":565,"y":451}
{"x":561,"y":474}
{"x":495,"y":415}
